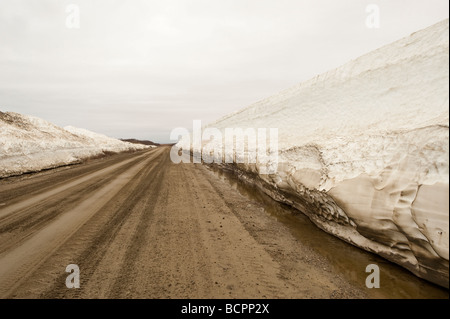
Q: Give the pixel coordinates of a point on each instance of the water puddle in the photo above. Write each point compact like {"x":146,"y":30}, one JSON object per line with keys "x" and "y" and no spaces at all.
{"x":345,"y":259}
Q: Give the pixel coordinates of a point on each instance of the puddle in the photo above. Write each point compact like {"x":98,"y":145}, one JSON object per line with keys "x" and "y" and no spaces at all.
{"x":345,"y":259}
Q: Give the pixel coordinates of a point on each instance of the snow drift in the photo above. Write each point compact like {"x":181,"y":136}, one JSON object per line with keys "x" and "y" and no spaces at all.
{"x":29,"y":144}
{"x":364,"y":151}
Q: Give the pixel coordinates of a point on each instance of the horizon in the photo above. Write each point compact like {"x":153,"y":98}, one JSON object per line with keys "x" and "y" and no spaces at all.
{"x":141,"y":70}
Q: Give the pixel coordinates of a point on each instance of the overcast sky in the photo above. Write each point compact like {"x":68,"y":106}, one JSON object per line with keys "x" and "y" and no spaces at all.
{"x":140,"y":68}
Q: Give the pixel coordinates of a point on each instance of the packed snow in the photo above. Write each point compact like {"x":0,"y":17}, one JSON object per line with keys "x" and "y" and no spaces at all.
{"x":30,"y":144}
{"x":363,"y":150}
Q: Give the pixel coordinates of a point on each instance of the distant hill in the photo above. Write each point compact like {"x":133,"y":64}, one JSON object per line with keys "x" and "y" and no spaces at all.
{"x":135,"y":141}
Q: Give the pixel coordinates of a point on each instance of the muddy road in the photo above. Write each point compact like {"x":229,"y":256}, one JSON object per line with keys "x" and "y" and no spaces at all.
{"x":139,"y":226}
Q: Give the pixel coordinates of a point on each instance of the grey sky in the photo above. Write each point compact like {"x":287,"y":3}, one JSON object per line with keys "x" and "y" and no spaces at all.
{"x":141,"y":68}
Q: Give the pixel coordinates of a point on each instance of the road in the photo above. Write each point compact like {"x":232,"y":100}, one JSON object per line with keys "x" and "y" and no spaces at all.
{"x":139,"y":226}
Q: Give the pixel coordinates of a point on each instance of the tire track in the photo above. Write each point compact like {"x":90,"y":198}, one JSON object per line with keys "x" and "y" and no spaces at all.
{"x":33,"y":200}
{"x":101,"y":234}
{"x":17,"y":188}
{"x":15,"y":264}
{"x":151,"y":190}
{"x":18,"y":226}
{"x":256,"y":271}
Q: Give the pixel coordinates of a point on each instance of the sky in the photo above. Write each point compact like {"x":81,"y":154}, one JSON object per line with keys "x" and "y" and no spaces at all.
{"x":140,"y":68}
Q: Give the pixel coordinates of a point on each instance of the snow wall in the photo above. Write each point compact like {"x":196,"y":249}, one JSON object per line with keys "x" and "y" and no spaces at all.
{"x":363,"y":150}
{"x":30,"y":144}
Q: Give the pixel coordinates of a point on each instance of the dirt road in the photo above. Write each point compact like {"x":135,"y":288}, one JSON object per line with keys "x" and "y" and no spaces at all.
{"x":139,"y":226}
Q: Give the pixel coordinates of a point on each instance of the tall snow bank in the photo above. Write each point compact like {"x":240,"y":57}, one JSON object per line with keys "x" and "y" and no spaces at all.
{"x":364,"y":150}
{"x":29,"y":144}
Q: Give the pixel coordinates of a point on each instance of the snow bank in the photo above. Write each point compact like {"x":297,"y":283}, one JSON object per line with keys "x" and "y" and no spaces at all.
{"x":364,"y":151}
{"x":29,"y":144}
{"x":107,"y":144}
